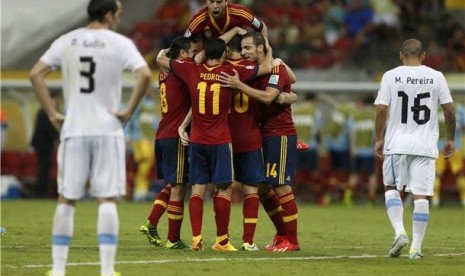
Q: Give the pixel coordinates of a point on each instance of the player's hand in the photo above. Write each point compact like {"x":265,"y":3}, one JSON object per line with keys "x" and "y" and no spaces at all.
{"x":277,"y":62}
{"x":231,"y":81}
{"x":379,"y":149}
{"x":57,"y":120}
{"x":183,"y":136}
{"x":240,"y":31}
{"x":449,"y":149}
{"x":122,"y":116}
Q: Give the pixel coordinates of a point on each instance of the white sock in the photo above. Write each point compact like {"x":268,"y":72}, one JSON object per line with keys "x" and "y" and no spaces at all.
{"x":107,"y":230}
{"x":395,"y":210}
{"x":62,"y":232}
{"x":419,"y":222}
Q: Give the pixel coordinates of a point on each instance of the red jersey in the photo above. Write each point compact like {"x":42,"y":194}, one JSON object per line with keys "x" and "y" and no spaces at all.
{"x":276,"y":119}
{"x":244,"y":118}
{"x":210,"y":101}
{"x":234,"y":15}
{"x":174,"y":103}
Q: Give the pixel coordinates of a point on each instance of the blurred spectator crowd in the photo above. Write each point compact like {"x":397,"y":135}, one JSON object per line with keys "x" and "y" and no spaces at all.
{"x":326,"y":33}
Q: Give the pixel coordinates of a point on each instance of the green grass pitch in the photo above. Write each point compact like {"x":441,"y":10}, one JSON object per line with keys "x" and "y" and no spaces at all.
{"x":335,"y":240}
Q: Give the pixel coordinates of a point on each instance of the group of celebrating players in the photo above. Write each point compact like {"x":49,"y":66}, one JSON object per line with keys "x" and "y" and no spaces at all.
{"x":235,"y":98}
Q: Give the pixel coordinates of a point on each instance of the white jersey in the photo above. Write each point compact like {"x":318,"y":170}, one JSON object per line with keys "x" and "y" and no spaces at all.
{"x":413,"y":94}
{"x":92,"y":62}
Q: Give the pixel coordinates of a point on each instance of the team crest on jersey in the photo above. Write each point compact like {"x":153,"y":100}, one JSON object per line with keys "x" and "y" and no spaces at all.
{"x":274,"y":79}
{"x":207,"y":32}
{"x":187,"y":33}
{"x":256,"y":23}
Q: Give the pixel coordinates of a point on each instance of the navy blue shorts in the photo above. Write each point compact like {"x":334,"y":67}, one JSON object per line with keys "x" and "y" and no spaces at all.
{"x":249,"y":167}
{"x":172,"y":161}
{"x":280,"y":155}
{"x":210,"y":164}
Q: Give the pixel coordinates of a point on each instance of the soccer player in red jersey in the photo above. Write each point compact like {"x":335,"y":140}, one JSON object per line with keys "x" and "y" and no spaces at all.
{"x":219,"y":16}
{"x":170,"y":154}
{"x":279,"y":146}
{"x":210,"y":148}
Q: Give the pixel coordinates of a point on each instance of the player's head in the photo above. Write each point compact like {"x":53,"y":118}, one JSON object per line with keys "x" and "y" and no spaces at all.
{"x":215,"y":48}
{"x":217,"y":7}
{"x":412,"y":49}
{"x":234,"y":44}
{"x":105,"y":11}
{"x":182,"y":47}
{"x":253,"y":46}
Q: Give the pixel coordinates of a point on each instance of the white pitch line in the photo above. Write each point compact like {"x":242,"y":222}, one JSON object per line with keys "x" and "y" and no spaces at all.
{"x":248,"y":259}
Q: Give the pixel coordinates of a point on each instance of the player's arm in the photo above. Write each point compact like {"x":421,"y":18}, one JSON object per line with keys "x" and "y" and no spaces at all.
{"x":226,"y":37}
{"x":380,"y":124}
{"x":267,"y":64}
{"x":183,"y":135}
{"x":163,"y":60}
{"x":290,"y":73}
{"x":143,"y":76}
{"x":286,"y":98}
{"x":266,"y":96}
{"x":449,"y":115}
{"x":37,"y":77}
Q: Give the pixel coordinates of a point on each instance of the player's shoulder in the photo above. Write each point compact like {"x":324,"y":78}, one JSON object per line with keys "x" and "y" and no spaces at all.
{"x":200,"y":16}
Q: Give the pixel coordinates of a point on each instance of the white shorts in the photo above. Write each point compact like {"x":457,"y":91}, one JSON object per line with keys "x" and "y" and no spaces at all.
{"x":414,"y":172}
{"x":99,"y":159}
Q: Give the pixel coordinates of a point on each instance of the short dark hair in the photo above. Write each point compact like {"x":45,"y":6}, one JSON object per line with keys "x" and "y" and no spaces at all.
{"x":98,"y":8}
{"x":258,"y":39}
{"x":178,"y":44}
{"x":235,"y":44}
{"x":214,"y":48}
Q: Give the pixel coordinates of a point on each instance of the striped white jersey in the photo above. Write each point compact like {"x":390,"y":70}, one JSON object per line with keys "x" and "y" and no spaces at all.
{"x":92,"y":62}
{"x":413,"y":94}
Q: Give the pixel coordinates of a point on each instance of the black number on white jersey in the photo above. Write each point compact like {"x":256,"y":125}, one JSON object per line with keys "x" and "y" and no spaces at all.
{"x":89,"y":74}
{"x":417,"y":108}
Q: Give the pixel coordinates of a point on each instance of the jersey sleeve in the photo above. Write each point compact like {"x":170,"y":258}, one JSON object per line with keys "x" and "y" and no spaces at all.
{"x":52,"y":55}
{"x":444,"y":92}
{"x":132,"y":58}
{"x":246,"y":16}
{"x":278,"y":78}
{"x":384,"y":96}
{"x":196,"y":22}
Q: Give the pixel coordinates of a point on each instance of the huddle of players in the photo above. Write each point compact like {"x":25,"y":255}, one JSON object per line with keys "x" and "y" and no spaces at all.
{"x":241,"y":130}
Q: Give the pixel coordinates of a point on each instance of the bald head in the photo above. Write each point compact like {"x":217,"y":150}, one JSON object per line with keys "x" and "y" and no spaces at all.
{"x":412,"y":52}
{"x":412,"y":48}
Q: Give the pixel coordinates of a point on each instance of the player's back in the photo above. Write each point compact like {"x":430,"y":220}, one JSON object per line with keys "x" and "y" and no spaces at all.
{"x":174,"y":103}
{"x":413,"y":94}
{"x":244,"y":117}
{"x":92,"y":62}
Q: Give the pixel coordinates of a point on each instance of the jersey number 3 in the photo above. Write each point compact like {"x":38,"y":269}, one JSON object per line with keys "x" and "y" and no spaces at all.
{"x":417,"y":108}
{"x":88,"y":74}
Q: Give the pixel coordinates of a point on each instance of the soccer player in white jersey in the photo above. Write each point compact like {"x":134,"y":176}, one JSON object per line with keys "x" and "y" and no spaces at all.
{"x":92,"y":147}
{"x":411,"y":93}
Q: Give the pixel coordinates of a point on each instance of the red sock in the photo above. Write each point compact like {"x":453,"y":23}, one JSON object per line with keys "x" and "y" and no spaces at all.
{"x":250,"y":213}
{"x":196,"y":214}
{"x":159,"y":205}
{"x":270,"y":202}
{"x":222,"y":207}
{"x":290,"y":216}
{"x":175,"y":216}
